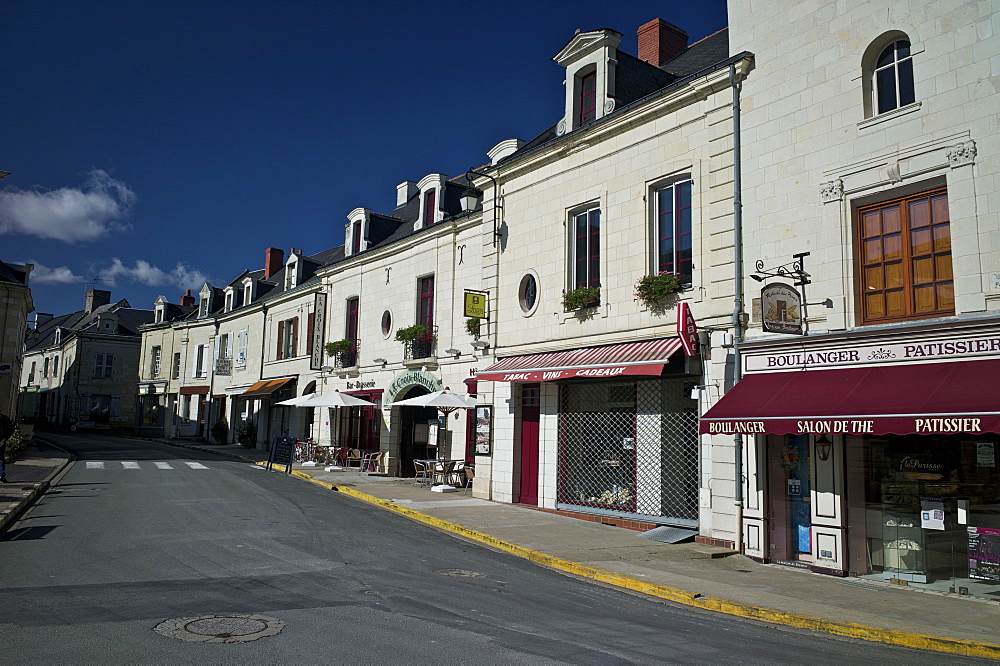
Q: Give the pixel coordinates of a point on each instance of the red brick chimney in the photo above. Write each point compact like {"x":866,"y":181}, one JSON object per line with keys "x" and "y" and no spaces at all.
{"x":660,"y":41}
{"x":274,"y":260}
{"x":187,"y":300}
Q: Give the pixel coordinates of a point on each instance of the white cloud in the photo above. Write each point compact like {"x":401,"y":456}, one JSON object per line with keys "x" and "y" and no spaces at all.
{"x":68,"y":214}
{"x":144,"y":272}
{"x":44,"y":275}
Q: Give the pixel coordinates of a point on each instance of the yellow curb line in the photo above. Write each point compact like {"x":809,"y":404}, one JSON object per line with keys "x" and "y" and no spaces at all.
{"x":677,"y":595}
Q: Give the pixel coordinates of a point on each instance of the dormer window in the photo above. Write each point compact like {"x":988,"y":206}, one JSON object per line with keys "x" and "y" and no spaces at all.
{"x":590,"y":59}
{"x":248,"y":292}
{"x":430,"y":198}
{"x":291,"y":273}
{"x":587,"y":91}
{"x":356,"y":238}
{"x":205,"y":306}
{"x":229,"y":300}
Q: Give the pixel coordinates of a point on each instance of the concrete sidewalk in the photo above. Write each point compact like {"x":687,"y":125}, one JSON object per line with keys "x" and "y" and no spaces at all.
{"x":28,"y":477}
{"x":685,"y":573}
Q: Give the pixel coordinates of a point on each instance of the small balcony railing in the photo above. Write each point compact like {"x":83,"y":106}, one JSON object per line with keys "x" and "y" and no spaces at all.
{"x":224,"y":366}
{"x":422,"y":347}
{"x":347,"y":359}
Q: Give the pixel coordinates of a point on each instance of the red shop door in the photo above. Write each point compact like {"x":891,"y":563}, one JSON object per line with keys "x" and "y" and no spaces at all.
{"x":530,"y":395}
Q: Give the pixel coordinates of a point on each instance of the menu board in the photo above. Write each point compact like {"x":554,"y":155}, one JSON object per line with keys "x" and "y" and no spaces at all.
{"x":984,"y":553}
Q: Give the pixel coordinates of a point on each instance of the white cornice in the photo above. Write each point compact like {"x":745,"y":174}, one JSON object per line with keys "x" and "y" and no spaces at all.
{"x":584,"y":43}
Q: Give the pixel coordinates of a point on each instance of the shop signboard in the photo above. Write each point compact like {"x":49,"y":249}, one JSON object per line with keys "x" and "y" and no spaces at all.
{"x":475,"y":304}
{"x":877,"y":425}
{"x":318,"y":332}
{"x":984,"y":553}
{"x":781,"y":306}
{"x":687,"y":329}
{"x":282,"y":453}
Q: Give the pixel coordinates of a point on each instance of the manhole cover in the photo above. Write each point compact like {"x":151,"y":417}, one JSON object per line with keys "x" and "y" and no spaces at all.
{"x":231,"y":628}
{"x":459,"y":573}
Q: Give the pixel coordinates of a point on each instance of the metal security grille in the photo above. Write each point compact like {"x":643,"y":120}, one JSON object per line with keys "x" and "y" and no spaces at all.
{"x":629,"y":447}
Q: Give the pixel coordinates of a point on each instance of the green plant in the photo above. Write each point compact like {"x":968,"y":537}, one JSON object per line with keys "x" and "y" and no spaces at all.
{"x":577,"y":299}
{"x":247,"y":434}
{"x":339,"y":347}
{"x":653,"y":289}
{"x":473,"y":325}
{"x":411,"y":333}
{"x":220,"y":431}
{"x":16,"y":444}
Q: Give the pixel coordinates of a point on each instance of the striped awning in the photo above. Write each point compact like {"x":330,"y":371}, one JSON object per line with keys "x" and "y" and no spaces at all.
{"x":266,"y":387}
{"x":625,"y":358}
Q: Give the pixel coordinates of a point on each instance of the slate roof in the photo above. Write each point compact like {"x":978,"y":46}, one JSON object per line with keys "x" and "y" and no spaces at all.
{"x":13,"y":273}
{"x":636,"y":79}
{"x":129,"y":321}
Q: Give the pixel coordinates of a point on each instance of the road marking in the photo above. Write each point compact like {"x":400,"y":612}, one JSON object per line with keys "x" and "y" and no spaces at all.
{"x":95,"y":465}
{"x":162,"y":465}
{"x":195,"y":465}
{"x":128,"y":464}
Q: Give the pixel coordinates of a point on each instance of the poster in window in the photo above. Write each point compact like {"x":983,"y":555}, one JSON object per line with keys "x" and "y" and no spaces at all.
{"x":984,"y":553}
{"x":985,"y":454}
{"x":484,"y":424}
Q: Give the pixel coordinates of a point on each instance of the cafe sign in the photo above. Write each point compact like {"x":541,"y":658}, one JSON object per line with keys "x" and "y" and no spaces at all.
{"x":781,"y":309}
{"x":475,"y":304}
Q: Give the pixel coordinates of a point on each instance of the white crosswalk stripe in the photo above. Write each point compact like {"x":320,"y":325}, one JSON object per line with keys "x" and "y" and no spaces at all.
{"x":132,"y":464}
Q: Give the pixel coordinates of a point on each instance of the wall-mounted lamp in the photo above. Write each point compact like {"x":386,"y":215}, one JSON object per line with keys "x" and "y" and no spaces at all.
{"x":469,"y":201}
{"x":823,"y":446}
{"x":695,"y":390}
{"x":480,"y":344}
{"x":380,"y":360}
{"x":326,"y":369}
{"x":453,"y":352}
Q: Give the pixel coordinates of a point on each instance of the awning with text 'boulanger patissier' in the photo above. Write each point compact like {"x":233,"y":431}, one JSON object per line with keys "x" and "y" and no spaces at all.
{"x":960,"y":397}
{"x":625,"y":358}
{"x":266,"y":387}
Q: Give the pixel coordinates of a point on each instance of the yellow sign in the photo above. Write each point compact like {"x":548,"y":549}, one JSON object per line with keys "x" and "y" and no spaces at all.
{"x":475,"y":304}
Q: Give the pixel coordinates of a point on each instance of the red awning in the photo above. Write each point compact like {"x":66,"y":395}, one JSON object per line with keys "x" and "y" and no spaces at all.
{"x":626,"y":358}
{"x":931,"y":398}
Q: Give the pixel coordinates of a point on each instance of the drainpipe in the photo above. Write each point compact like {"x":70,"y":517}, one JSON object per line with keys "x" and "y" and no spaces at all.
{"x":738,"y":297}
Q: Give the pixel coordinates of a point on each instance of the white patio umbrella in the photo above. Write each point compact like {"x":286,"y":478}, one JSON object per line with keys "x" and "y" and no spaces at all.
{"x":335,"y":399}
{"x":445,"y":401}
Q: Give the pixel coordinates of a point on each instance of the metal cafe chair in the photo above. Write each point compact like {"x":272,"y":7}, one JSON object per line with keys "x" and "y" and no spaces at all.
{"x":420,"y":472}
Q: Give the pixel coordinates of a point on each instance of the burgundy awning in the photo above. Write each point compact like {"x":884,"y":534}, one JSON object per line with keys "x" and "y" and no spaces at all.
{"x":930,"y":398}
{"x":626,"y":358}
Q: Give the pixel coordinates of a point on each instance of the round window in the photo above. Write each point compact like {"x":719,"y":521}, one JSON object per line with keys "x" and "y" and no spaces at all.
{"x":528,"y":292}
{"x":386,"y":323}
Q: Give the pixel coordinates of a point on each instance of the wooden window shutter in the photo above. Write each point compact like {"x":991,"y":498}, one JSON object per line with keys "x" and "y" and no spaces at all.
{"x":281,"y":339}
{"x":310,"y":330}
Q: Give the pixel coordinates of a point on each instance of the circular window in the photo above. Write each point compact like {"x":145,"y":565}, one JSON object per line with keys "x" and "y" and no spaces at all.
{"x":527,"y":292}
{"x":386,"y":323}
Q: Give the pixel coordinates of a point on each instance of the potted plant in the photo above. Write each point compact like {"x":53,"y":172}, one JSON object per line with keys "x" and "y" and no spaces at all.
{"x":473,"y":326}
{"x":584,"y":297}
{"x":411,"y":333}
{"x":653,"y":289}
{"x":220,"y":431}
{"x":247,"y":434}
{"x":339,"y":347}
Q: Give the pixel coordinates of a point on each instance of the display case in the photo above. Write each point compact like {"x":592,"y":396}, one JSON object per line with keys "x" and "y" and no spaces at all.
{"x":902,"y":544}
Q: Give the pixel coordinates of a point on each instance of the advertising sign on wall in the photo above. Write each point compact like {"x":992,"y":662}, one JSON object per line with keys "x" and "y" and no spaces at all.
{"x":984,"y":553}
{"x":781,"y":307}
{"x":475,"y":304}
{"x":687,"y":329}
{"x":319,"y":332}
{"x":484,"y":424}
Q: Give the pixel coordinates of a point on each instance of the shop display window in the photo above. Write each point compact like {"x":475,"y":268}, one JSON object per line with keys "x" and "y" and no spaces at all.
{"x":932,"y":512}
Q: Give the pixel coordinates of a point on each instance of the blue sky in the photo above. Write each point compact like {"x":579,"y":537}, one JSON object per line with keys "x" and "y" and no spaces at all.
{"x":157,"y":144}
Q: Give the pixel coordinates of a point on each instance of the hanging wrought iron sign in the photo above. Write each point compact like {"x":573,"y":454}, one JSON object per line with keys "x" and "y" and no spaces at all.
{"x":781,"y":307}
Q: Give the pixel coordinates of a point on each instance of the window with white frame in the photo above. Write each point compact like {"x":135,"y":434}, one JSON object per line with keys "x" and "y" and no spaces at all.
{"x":201,"y":361}
{"x":893,"y":77}
{"x":429,"y":208}
{"x":154,"y":362}
{"x":104,"y":365}
{"x":248,"y":293}
{"x":672,"y":230}
{"x":175,"y":369}
{"x":288,"y":338}
{"x":585,"y":249}
{"x":241,"y":348}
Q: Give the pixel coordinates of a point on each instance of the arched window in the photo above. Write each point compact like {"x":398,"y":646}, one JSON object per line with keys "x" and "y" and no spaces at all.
{"x":892,"y":77}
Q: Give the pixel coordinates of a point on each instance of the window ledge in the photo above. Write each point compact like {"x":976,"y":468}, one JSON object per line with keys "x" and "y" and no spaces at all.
{"x":889,"y":115}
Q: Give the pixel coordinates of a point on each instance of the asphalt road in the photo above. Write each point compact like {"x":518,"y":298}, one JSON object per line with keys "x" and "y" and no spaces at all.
{"x":136,"y":533}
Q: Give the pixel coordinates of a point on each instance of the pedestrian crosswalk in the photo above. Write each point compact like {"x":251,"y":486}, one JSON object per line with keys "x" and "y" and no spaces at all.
{"x":154,"y":464}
